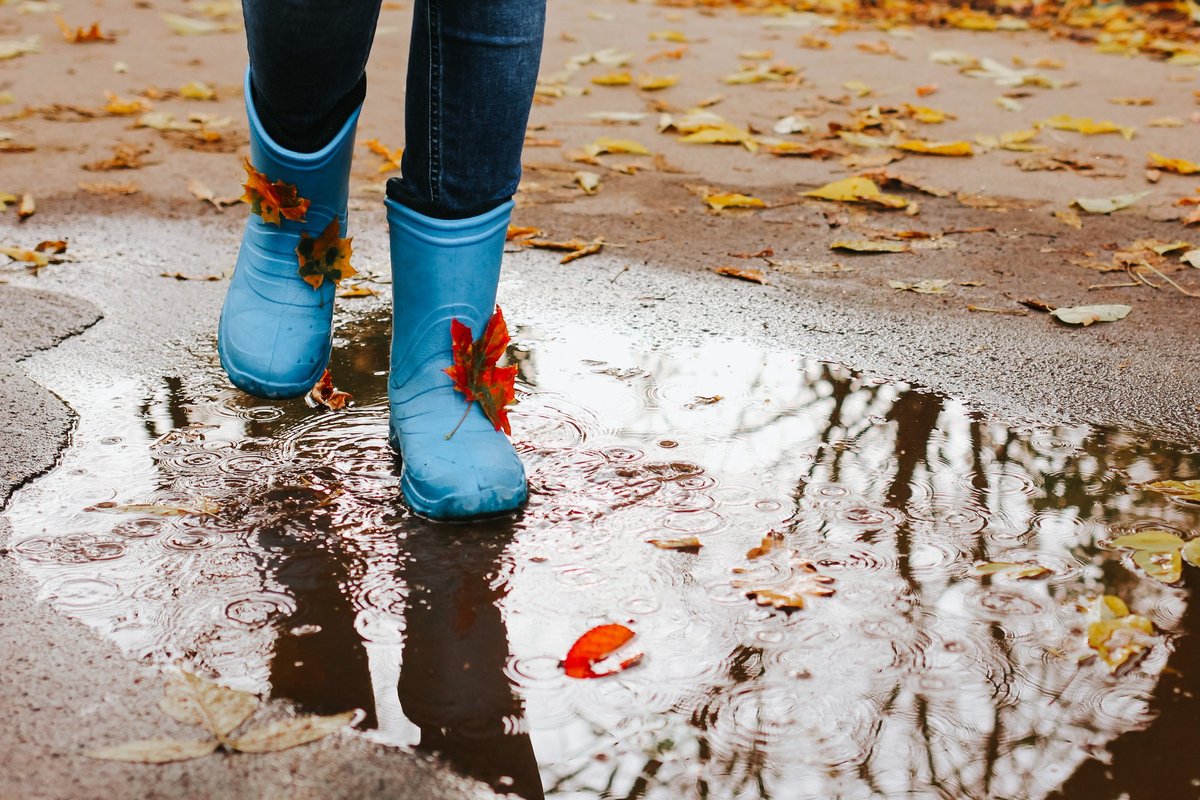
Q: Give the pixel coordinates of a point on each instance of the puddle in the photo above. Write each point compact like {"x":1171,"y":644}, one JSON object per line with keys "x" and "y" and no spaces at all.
{"x":915,"y":679}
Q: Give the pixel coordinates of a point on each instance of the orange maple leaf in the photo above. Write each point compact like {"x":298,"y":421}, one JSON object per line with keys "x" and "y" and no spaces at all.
{"x":327,"y":256}
{"x":82,"y":35}
{"x":324,"y":394}
{"x":596,"y":645}
{"x":270,"y":200}
{"x":476,"y":375}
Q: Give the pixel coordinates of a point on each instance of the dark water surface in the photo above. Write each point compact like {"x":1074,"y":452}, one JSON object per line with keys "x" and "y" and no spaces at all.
{"x":916,"y":679}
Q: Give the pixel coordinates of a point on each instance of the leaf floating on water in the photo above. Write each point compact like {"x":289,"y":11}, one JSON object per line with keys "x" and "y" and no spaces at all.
{"x":216,"y":708}
{"x":772,"y":541}
{"x":204,"y":507}
{"x":804,"y":582}
{"x":1086,"y":315}
{"x":155,"y":751}
{"x":1116,"y":635}
{"x":1186,"y":491}
{"x":285,"y":734}
{"x":1162,"y":567}
{"x":1151,"y":541}
{"x":1107,"y":205}
{"x":323,"y":394}
{"x":1009,"y":569}
{"x":692,"y":543}
{"x":593,"y":647}
{"x":1191,"y":552}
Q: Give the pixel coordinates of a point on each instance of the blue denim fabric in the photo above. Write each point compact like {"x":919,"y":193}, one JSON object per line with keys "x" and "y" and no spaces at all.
{"x":471,"y":73}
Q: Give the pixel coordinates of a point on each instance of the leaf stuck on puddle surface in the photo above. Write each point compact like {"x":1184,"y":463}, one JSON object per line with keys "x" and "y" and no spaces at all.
{"x":596,"y":645}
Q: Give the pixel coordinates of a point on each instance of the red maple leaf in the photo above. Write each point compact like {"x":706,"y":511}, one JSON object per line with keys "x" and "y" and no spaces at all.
{"x":596,"y":645}
{"x":475,"y":373}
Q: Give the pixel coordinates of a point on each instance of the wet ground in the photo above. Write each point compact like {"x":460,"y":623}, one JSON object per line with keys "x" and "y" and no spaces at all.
{"x":263,"y":542}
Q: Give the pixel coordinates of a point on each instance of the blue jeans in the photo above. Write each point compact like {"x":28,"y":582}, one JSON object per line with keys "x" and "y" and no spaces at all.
{"x":472,"y":69}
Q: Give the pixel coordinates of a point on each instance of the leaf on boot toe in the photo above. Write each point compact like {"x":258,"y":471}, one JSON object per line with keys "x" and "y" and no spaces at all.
{"x":327,"y":256}
{"x":475,"y":373}
{"x":271,"y":200}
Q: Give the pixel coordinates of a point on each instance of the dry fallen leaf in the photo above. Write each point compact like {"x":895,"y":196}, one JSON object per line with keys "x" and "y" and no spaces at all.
{"x":607,"y":144}
{"x":125,"y":156}
{"x":857,"y":190}
{"x":937,"y":148}
{"x":1086,"y":125}
{"x":870,"y":246}
{"x":1086,"y":315}
{"x":595,"y":646}
{"x":27,"y":207}
{"x":733,"y":200}
{"x":1107,"y":205}
{"x":1179,"y":166}
{"x":577,"y":248}
{"x":751,"y":275}
{"x":83,"y":35}
{"x":677,"y":543}
{"x":926,"y":286}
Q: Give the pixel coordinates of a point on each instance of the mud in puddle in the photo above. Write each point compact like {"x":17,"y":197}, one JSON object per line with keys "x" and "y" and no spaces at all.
{"x":263,"y":544}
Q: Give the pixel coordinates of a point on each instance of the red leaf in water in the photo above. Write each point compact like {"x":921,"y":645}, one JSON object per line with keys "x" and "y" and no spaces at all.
{"x":596,"y":645}
{"x":475,"y":373}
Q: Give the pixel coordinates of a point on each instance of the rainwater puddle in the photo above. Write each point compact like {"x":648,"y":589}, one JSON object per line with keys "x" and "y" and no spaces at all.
{"x":310,"y":581}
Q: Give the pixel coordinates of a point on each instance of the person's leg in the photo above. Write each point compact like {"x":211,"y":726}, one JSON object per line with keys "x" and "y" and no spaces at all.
{"x":472,"y":71}
{"x":303,"y":91}
{"x":308,"y":61}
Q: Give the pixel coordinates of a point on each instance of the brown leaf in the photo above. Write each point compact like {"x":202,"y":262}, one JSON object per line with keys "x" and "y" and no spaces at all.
{"x":125,"y":156}
{"x":751,"y":275}
{"x":287,"y":733}
{"x":323,"y":394}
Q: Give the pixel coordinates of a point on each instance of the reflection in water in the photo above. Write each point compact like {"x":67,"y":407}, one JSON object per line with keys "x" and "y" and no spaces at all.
{"x":914,"y":680}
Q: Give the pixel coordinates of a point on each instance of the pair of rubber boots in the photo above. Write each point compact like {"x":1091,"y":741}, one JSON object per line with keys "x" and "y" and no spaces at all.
{"x":275,"y":333}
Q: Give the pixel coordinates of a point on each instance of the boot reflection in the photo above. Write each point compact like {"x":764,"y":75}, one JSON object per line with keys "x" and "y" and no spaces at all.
{"x":452,"y":684}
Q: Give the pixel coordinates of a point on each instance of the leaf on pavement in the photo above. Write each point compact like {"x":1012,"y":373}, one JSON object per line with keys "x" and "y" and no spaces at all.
{"x":750,"y":275}
{"x":1180,"y":166}
{"x":1086,"y":125}
{"x":653,"y":83}
{"x":733,"y":200}
{"x":125,"y":156}
{"x":1086,"y":315}
{"x":857,"y":190}
{"x":620,"y":78}
{"x":155,"y":751}
{"x":869,"y":246}
{"x":593,"y":647}
{"x":959,"y":148}
{"x":926,"y":286}
{"x":327,"y":256}
{"x":83,"y":35}
{"x":288,"y":733}
{"x":578,"y":248}
{"x":607,"y":144}
{"x":195,"y":701}
{"x":1107,"y":205}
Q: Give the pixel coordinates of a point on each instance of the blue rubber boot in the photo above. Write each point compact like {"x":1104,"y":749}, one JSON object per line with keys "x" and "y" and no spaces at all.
{"x":444,"y":270}
{"x":276,"y":331}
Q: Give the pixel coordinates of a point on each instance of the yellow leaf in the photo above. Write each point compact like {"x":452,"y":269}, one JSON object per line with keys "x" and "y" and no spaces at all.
{"x":929,"y":116}
{"x":1115,"y":634}
{"x":733,"y":200}
{"x":613,"y":79}
{"x":607,"y":144}
{"x":859,"y":88}
{"x":1009,"y":569}
{"x":1162,"y":567}
{"x":971,"y":20}
{"x":120,"y":107}
{"x":1179,"y":166}
{"x":1152,"y":540}
{"x":1191,"y":552}
{"x":195,"y":90}
{"x":652,"y":83}
{"x":1188,"y":491}
{"x":679,"y":37}
{"x":869,"y":246}
{"x":725,"y":133}
{"x":857,"y":190}
{"x":937,"y":148}
{"x":1086,"y":125}
{"x":327,"y":256}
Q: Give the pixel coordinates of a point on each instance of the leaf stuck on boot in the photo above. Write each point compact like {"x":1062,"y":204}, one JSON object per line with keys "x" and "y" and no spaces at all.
{"x":476,"y":375}
{"x":271,"y":200}
{"x":327,"y":256}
